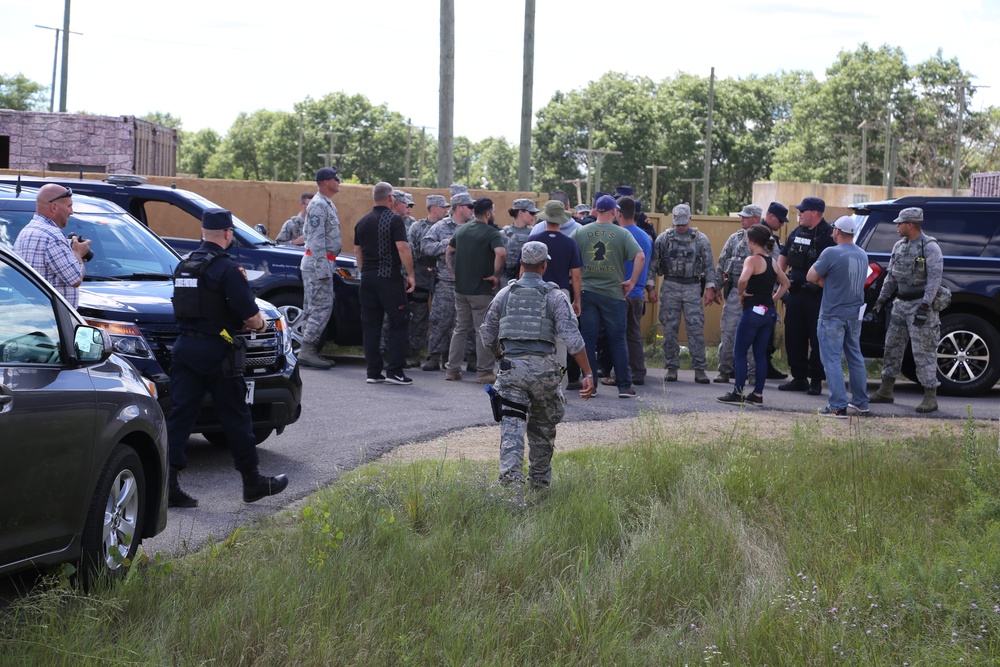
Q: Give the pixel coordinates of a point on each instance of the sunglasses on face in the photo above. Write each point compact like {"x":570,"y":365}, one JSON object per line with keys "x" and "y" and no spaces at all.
{"x":65,"y":195}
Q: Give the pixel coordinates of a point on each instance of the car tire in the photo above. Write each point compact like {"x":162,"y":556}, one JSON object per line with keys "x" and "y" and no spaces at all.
{"x":114,"y":525}
{"x":289,"y":304}
{"x":220,"y":439}
{"x":968,"y":355}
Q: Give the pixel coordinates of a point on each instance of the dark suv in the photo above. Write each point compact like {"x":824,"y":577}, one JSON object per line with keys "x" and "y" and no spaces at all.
{"x":127,"y":290}
{"x":273,"y":270}
{"x":968,"y":230}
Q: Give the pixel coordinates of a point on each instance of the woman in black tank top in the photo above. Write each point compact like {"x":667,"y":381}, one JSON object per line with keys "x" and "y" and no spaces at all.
{"x":757,"y":295}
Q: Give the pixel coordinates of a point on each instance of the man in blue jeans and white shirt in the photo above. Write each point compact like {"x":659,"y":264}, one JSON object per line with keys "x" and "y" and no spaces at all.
{"x":841,"y":271}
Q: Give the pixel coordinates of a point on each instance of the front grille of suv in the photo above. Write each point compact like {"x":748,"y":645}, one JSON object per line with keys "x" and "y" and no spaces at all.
{"x":262,"y":350}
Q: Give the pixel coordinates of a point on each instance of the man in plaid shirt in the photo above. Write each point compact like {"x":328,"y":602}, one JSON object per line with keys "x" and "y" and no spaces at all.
{"x":42,"y":245}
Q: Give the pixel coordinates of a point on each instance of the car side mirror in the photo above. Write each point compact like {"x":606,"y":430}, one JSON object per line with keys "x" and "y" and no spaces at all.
{"x":91,"y":344}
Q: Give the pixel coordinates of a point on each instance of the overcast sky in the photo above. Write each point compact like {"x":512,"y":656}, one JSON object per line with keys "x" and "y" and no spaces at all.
{"x":207,"y":60}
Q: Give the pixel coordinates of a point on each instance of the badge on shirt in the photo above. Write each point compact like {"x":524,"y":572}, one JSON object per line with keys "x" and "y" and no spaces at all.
{"x":243,"y":272}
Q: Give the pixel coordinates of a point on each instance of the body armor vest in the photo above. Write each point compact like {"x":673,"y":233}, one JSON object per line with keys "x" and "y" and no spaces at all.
{"x":909,"y":266}
{"x":192,"y":299}
{"x":681,"y":260}
{"x":525,"y":316}
{"x":802,"y":250}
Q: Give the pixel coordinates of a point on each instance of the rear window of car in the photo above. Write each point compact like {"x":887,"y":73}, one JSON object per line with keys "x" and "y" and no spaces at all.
{"x":959,"y":233}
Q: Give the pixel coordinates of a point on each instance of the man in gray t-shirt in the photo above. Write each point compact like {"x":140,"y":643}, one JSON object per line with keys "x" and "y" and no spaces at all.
{"x":841,"y":271}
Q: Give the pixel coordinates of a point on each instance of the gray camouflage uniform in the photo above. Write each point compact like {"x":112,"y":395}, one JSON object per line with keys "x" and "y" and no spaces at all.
{"x":514,"y":239}
{"x":530,"y":376}
{"x":322,"y":239}
{"x":731,"y":261}
{"x":442,"y":315}
{"x":683,"y":260}
{"x":916,"y":285}
{"x":425,"y":268}
{"x":291,"y":230}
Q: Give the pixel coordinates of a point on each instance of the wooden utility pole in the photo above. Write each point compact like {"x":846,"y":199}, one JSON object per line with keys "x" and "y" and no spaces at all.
{"x":599,"y":155}
{"x":64,"y":82}
{"x":420,"y":175}
{"x":524,"y":157}
{"x":864,"y":151}
{"x":708,"y":144}
{"x":298,"y":174}
{"x":956,"y":161}
{"x":577,"y":182}
{"x":652,"y":197}
{"x":692,"y":181}
{"x":446,"y":98}
{"x":849,"y":138}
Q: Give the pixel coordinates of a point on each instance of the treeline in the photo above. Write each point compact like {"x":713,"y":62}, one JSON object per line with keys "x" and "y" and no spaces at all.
{"x":785,"y":126}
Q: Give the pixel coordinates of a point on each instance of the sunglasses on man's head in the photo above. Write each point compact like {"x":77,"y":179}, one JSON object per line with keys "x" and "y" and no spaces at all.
{"x":68,"y":193}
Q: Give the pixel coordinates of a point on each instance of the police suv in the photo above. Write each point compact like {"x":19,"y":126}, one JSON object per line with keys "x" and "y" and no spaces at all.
{"x":127,"y":291}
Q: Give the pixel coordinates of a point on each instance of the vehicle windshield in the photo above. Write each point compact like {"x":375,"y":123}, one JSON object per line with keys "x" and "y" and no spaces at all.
{"x":253,"y":235}
{"x":124,"y":249}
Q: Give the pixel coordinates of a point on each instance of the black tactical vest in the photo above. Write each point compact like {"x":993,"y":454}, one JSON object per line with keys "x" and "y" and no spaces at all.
{"x":192,"y":298}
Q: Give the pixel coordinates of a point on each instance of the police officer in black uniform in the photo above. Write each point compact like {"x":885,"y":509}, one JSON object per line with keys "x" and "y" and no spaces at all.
{"x":804,"y":244}
{"x":213,"y":302}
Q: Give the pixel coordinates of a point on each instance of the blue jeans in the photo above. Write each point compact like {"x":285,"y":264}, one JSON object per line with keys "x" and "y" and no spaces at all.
{"x":753,"y":331}
{"x":595,"y":310}
{"x":842,"y":336}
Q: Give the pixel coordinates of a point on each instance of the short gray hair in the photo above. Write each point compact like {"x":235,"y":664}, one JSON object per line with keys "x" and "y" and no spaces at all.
{"x":382,"y":191}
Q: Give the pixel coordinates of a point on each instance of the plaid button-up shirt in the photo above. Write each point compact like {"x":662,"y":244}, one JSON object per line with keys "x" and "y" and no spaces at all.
{"x":42,"y":245}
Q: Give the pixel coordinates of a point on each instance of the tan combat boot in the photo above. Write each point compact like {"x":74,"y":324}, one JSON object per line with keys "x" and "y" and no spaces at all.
{"x":884,"y":393}
{"x":700,"y":376}
{"x":308,"y":356}
{"x":929,"y":404}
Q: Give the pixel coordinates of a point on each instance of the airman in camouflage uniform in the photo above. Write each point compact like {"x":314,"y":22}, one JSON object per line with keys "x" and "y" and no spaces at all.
{"x":683,"y":256}
{"x":730,"y":267}
{"x":516,"y":234}
{"x":402,"y":205}
{"x":322,"y":243}
{"x":291,"y":231}
{"x":426,"y":268}
{"x":522,"y":324}
{"x":434,"y":244}
{"x":915,"y":271}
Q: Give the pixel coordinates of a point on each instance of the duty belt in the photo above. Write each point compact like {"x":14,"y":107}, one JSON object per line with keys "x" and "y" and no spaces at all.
{"x":909,"y":297}
{"x":330,"y":256}
{"x":682,"y":281}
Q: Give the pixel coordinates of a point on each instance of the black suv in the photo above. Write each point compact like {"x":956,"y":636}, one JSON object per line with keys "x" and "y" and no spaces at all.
{"x":127,"y":290}
{"x":273,"y":270}
{"x":968,"y":230}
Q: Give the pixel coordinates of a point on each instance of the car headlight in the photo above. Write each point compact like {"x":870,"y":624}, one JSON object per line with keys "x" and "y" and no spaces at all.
{"x":126,"y":339}
{"x":284,"y":335}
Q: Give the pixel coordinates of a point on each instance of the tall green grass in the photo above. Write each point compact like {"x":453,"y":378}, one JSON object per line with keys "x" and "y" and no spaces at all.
{"x":757,"y":548}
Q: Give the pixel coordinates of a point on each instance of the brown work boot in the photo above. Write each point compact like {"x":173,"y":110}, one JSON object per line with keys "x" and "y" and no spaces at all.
{"x":308,"y":356}
{"x":884,"y":392}
{"x":929,"y":404}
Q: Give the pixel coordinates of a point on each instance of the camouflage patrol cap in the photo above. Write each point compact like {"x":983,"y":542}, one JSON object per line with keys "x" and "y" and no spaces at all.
{"x":751,"y":211}
{"x":523,"y":205}
{"x":534,"y":253}
{"x":399,"y":195}
{"x":682,"y":214}
{"x":912,"y":214}
{"x":457,"y":188}
{"x":461,"y":199}
{"x":581,"y":208}
{"x":437,"y":200}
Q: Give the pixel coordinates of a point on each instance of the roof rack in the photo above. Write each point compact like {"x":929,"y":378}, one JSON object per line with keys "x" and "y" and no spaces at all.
{"x":125,"y":179}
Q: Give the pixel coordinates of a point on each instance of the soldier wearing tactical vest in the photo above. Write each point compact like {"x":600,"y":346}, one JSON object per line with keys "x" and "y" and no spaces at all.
{"x":213,"y":303}
{"x":521,"y":327}
{"x":683,"y":256}
{"x":915,"y":271}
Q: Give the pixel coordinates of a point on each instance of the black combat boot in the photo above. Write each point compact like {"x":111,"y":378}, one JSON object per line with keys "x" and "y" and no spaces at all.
{"x":256,"y":486}
{"x":176,"y":497}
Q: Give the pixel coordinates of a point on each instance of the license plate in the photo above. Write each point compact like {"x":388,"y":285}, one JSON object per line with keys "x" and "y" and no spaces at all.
{"x":250,"y":392}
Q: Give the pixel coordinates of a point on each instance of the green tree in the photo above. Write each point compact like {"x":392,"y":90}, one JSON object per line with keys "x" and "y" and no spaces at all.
{"x":20,"y":93}
{"x":493,"y":163}
{"x":163,"y":118}
{"x":195,"y":151}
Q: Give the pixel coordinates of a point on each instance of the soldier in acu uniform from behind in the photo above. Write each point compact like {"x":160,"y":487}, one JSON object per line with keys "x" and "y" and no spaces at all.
{"x":521,"y":327}
{"x":322,"y":241}
{"x":213,"y":303}
{"x":425,"y":268}
{"x":915,"y":271}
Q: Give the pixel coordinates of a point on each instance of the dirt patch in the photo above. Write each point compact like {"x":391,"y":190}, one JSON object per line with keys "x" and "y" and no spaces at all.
{"x":482,"y":443}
